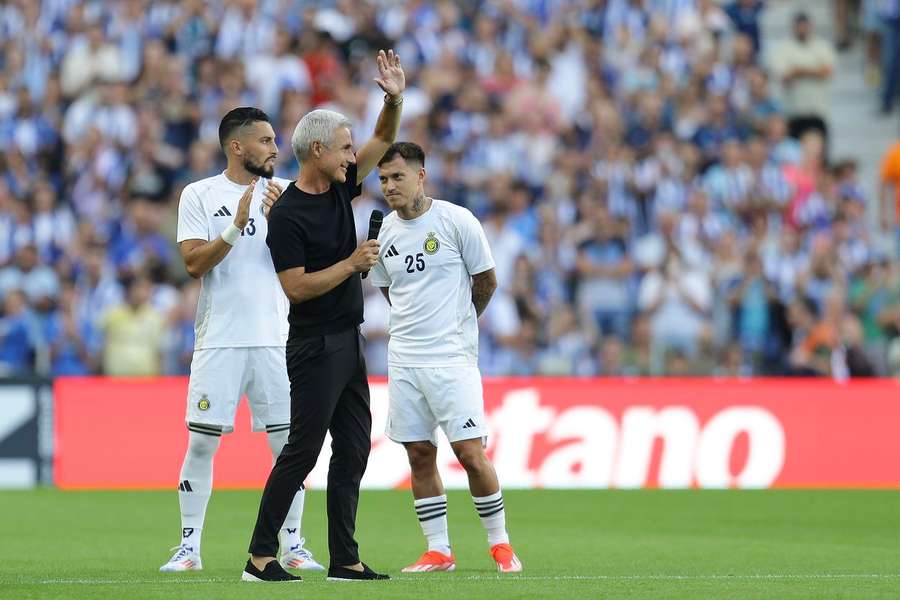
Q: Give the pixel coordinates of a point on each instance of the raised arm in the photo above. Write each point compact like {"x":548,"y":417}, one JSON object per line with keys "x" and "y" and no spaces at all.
{"x":392,"y":80}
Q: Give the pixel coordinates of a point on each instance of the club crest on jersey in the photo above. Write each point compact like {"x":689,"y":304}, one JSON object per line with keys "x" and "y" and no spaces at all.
{"x":431,"y":244}
{"x":204,"y":403}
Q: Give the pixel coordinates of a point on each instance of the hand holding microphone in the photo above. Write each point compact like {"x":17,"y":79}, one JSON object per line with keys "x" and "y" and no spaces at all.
{"x":369,"y":249}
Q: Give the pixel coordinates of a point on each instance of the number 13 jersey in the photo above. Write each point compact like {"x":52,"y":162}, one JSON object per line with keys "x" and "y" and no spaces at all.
{"x":427,"y":264}
{"x":241,"y":301}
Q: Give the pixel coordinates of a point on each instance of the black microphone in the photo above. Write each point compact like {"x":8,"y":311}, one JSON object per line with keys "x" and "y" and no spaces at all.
{"x":374,"y":228}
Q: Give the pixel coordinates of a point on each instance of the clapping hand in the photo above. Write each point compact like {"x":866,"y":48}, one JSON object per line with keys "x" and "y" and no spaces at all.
{"x":270,"y":196}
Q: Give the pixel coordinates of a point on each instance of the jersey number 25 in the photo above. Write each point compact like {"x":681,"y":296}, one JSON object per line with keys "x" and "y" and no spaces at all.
{"x":415,"y":264}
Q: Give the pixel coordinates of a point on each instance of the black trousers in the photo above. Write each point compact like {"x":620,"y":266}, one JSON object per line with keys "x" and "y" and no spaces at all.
{"x":329,"y":392}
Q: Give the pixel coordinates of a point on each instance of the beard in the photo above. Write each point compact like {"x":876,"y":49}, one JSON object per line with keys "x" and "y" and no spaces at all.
{"x":262,"y":170}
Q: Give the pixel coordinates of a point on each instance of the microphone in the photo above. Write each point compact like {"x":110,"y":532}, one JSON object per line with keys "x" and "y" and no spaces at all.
{"x":374,"y":228}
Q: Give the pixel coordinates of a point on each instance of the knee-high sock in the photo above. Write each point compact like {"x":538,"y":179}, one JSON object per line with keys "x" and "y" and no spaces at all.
{"x":291,"y":531}
{"x":195,"y":485}
{"x":432,"y":514}
{"x":493,"y":517}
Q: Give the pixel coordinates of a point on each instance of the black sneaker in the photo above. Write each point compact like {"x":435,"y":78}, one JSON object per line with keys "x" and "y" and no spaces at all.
{"x":345,"y":574}
{"x":272,"y":572}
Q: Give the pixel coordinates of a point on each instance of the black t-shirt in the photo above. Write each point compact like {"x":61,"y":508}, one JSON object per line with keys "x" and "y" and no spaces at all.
{"x":316,"y":231}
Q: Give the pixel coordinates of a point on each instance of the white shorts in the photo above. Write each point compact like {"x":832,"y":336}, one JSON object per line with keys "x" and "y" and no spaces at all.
{"x":221,"y":376}
{"x":423,"y":398}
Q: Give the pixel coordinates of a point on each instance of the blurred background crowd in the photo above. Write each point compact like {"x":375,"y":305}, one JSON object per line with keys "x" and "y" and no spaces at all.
{"x":655,"y":180}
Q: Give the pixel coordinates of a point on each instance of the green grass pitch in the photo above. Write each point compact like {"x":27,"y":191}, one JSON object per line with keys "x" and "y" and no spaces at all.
{"x":574,"y":544}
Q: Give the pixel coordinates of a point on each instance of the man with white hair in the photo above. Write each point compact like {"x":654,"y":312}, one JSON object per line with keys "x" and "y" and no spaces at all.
{"x":312,"y":240}
{"x":240,"y":325}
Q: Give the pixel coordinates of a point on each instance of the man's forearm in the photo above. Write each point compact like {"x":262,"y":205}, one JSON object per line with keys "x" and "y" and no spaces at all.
{"x":388,"y":123}
{"x":482,"y":291}
{"x":200,"y":260}
{"x":306,"y":286}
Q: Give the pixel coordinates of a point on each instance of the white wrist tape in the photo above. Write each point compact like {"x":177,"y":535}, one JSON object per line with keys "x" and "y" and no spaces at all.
{"x":231,"y":234}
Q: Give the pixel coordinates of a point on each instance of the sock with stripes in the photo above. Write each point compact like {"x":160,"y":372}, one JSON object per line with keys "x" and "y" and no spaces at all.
{"x":493,"y":517}
{"x":432,"y":513}
{"x":291,"y":531}
{"x":195,"y":485}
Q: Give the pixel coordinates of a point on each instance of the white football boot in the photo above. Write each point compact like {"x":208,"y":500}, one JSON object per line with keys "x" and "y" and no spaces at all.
{"x":298,"y":557}
{"x":184,"y":559}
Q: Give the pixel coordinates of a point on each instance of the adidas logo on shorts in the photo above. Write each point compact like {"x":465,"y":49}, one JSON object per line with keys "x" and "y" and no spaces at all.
{"x":469,"y":424}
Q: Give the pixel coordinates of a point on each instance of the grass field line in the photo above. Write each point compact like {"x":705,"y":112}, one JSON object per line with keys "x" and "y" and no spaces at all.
{"x":635,"y":577}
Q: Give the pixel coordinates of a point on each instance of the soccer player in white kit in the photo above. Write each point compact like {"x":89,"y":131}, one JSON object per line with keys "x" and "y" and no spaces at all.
{"x":437,"y":273}
{"x":241,"y":325}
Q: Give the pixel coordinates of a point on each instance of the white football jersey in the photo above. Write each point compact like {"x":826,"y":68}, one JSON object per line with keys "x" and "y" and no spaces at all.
{"x":241,"y":301}
{"x":427,"y":263}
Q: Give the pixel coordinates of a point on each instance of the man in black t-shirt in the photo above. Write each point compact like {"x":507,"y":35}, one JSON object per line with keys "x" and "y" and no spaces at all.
{"x":312,"y":239}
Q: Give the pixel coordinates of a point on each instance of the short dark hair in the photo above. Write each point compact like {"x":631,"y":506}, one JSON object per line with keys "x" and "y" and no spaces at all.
{"x":237,"y":118}
{"x":408,"y":151}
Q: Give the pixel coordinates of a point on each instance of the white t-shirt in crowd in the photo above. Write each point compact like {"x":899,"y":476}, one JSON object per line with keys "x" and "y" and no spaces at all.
{"x":241,"y":301}
{"x":427,"y":264}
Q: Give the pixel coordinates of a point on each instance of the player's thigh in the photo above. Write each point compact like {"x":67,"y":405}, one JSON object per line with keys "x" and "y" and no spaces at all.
{"x":456,"y":399}
{"x":215,"y":387}
{"x":269,"y":390}
{"x":409,"y":417}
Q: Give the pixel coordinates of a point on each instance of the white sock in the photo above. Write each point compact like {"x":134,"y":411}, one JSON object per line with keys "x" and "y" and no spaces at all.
{"x":493,"y":517}
{"x":432,"y":513}
{"x":195,"y":486}
{"x":291,"y":532}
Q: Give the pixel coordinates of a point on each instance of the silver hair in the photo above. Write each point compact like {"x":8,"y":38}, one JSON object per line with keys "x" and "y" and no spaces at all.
{"x":316,"y":126}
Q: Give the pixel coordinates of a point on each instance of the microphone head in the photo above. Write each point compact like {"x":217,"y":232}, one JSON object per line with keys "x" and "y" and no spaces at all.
{"x":375,"y":224}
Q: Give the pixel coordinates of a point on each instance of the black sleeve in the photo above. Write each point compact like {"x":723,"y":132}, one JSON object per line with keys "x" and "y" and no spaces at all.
{"x":353,"y":189}
{"x":286,"y":241}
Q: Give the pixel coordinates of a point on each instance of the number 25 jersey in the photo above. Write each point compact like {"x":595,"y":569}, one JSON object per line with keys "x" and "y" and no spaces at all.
{"x":427,"y":264}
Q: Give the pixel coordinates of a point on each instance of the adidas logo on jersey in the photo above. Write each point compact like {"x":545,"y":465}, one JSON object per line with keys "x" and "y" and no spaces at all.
{"x":469,"y":424}
{"x":222,"y":212}
{"x":391,"y":251}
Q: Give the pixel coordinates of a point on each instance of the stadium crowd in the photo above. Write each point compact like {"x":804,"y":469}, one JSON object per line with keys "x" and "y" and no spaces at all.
{"x":648,"y":209}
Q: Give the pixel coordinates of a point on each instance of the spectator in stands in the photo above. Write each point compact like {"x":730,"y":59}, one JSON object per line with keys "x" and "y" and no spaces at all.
{"x":92,"y":58}
{"x":805,"y":64}
{"x":18,"y":335}
{"x":745,"y":14}
{"x":750,"y":299}
{"x":133,"y":332}
{"x":30,"y":276}
{"x":890,"y":16}
{"x":890,"y":189}
{"x":71,"y":339}
{"x":677,"y":297}
{"x":604,"y":271}
{"x":567,"y":347}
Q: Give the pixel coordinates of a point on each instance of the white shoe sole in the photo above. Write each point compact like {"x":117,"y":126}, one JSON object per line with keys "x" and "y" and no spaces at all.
{"x":165,"y":569}
{"x":245,"y":576}
{"x":447,"y":570}
{"x":304,"y":566}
